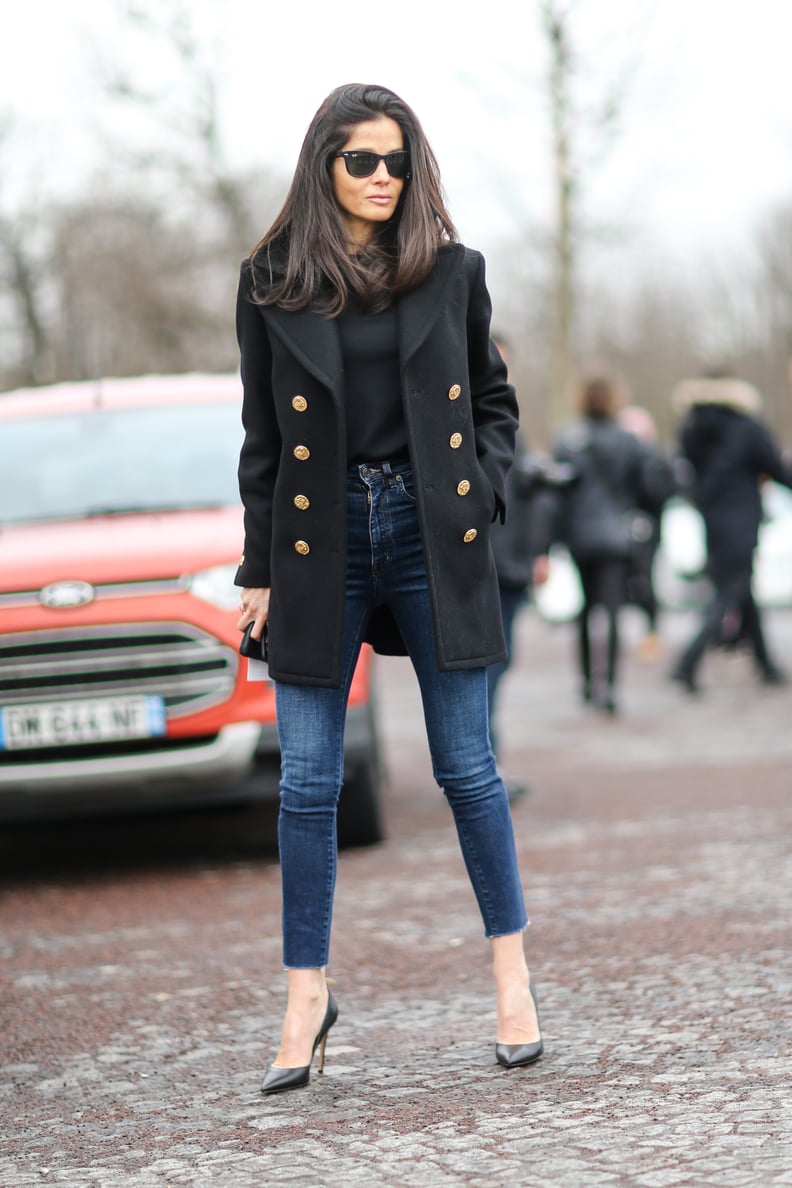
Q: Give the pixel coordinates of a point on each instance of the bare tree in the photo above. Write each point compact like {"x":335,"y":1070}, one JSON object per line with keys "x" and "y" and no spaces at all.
{"x":652,"y":335}
{"x":131,"y":295}
{"x":774,"y":313}
{"x":139,"y":274}
{"x":562,"y":350}
{"x":186,"y":116}
{"x":583,"y":131}
{"x":22,"y":283}
{"x":523,"y":296}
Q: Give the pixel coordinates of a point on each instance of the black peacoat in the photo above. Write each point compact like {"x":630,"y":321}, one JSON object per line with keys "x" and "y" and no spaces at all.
{"x":461,"y":418}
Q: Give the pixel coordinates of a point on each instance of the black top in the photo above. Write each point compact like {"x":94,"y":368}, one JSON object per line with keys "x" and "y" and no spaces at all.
{"x":375,"y":425}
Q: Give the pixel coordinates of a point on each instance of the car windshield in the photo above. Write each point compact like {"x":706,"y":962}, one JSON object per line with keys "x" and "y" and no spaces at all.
{"x":111,"y":461}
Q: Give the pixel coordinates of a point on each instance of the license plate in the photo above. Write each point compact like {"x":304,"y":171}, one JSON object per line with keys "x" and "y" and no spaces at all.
{"x":69,"y":723}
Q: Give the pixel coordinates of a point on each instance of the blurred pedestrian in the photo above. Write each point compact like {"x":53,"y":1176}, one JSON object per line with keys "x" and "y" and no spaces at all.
{"x":646,"y":525}
{"x":379,"y":429}
{"x":514,"y":548}
{"x":729,"y":453}
{"x":615,"y":478}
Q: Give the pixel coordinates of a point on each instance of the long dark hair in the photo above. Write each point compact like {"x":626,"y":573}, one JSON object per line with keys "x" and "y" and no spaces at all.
{"x":304,"y":258}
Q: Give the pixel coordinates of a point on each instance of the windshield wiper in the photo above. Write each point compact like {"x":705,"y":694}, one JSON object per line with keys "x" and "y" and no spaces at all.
{"x":115,"y":509}
{"x":137,"y":509}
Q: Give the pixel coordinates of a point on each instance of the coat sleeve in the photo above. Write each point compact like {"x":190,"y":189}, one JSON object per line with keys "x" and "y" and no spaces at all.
{"x":261,"y":448}
{"x":495,"y":410}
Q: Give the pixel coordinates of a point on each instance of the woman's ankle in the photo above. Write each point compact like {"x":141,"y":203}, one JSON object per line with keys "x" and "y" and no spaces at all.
{"x":306,"y":987}
{"x":305,"y":1006}
{"x":508,"y":959}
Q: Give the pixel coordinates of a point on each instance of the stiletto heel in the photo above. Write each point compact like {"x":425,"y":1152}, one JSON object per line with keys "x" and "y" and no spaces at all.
{"x":518,"y":1055}
{"x":320,"y":1065}
{"x":277,"y":1080}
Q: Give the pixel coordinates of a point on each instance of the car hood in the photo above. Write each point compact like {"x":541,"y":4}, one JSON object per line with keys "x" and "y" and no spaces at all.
{"x":118,"y":548}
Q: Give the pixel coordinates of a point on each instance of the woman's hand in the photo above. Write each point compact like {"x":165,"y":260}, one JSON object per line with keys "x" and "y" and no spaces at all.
{"x":254,"y":608}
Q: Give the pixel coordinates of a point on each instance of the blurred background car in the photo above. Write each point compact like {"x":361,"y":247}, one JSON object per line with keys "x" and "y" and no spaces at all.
{"x":121,"y":685}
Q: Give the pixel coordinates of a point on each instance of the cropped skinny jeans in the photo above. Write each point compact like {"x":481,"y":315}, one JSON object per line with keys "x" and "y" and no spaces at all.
{"x":385,"y":566}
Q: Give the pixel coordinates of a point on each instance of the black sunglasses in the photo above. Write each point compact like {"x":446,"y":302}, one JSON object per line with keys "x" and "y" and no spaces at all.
{"x":362,"y":163}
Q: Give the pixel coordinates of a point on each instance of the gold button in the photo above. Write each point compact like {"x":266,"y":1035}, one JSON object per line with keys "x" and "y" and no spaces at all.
{"x":455,"y":441}
{"x":242,"y":559}
{"x":463,"y":487}
{"x":471,"y":534}
{"x":299,"y":403}
{"x":302,"y":547}
{"x":302,"y":453}
{"x":454,"y":392}
{"x":302,"y":502}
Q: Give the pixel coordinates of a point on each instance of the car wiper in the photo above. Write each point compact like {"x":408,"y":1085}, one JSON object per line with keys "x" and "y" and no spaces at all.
{"x":136,"y":509}
{"x":115,"y":509}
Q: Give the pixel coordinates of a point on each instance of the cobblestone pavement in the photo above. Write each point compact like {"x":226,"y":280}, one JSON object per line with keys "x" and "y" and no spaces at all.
{"x":142,"y":993}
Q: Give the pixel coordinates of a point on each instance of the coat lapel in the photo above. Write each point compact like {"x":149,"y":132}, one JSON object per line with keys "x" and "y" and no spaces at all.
{"x":419,"y":309}
{"x":313,"y":340}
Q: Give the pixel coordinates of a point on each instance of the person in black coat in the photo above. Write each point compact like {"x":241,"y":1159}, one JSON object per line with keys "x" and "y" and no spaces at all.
{"x":729,"y":453}
{"x":379,"y":431}
{"x":616,"y":476}
{"x":646,"y":528}
{"x":514,"y":546}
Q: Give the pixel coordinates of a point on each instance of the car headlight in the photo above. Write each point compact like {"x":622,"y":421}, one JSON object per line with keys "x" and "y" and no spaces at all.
{"x":216,"y":585}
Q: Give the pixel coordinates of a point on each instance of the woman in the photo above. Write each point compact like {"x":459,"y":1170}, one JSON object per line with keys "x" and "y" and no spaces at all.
{"x":379,"y":428}
{"x":597,"y":518}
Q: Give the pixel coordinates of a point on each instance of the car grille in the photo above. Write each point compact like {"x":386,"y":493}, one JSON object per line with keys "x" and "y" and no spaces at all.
{"x":190,"y":669}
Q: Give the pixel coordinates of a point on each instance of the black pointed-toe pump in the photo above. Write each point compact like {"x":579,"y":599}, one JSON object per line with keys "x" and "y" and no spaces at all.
{"x":278,"y":1080}
{"x":518,"y":1055}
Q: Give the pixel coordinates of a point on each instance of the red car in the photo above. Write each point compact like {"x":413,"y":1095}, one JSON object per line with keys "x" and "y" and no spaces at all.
{"x":121,"y":684}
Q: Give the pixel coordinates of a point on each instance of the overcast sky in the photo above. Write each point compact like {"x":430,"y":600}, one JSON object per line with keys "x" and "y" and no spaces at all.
{"x":705,"y":146}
